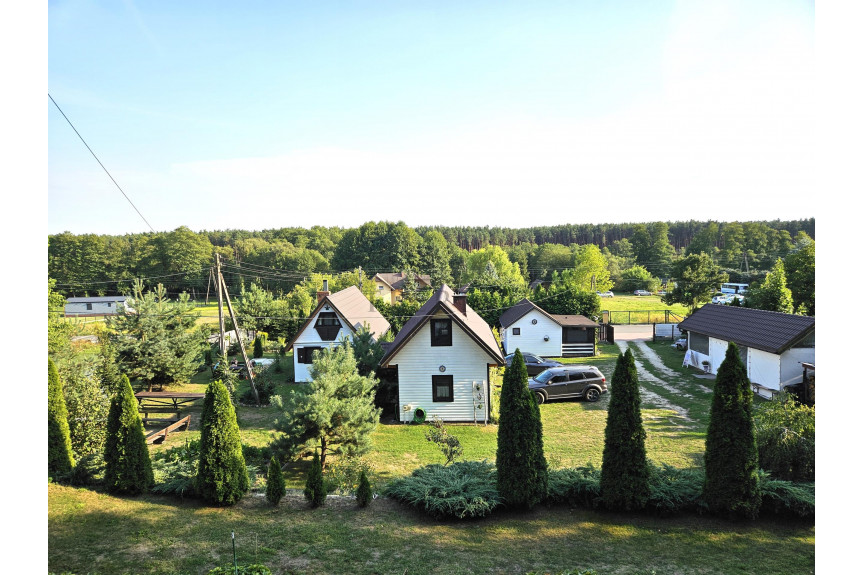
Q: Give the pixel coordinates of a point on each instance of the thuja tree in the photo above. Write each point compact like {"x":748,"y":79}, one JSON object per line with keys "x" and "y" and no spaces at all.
{"x":275,"y":481}
{"x":127,"y":459}
{"x":730,"y":454}
{"x":222,"y":476}
{"x":59,"y":444}
{"x":522,"y":472}
{"x":335,"y":414}
{"x":314,"y":491}
{"x":624,"y":478}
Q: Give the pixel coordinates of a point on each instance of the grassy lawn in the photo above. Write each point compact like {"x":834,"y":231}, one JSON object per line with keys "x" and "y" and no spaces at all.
{"x":92,"y":532}
{"x":632,"y":308}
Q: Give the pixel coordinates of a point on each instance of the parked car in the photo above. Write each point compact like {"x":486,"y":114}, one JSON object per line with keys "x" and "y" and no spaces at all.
{"x":534,"y":363}
{"x":641,"y":292}
{"x":731,"y":297}
{"x":719,"y":298}
{"x":568,"y":381}
{"x":661,"y":292}
{"x":605,"y":293}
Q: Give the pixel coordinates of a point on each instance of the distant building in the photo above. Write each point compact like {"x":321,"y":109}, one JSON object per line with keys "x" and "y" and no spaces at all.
{"x":389,"y":286}
{"x":93,"y":306}
{"x":530,"y":328}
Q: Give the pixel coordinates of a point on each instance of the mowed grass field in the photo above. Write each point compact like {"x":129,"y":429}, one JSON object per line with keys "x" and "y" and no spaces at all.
{"x":92,"y":532}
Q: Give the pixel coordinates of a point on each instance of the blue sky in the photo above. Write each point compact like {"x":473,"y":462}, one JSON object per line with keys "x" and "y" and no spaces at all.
{"x":218,"y":115}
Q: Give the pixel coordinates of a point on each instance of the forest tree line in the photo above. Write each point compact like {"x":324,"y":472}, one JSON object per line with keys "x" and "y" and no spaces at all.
{"x":280,"y":259}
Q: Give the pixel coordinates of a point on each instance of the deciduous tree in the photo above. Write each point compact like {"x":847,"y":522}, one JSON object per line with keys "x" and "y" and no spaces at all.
{"x":696,"y":277}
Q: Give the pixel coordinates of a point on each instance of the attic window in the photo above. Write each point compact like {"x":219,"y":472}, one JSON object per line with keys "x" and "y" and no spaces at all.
{"x":441,"y":332}
{"x":327,"y":326}
{"x":516,"y":331}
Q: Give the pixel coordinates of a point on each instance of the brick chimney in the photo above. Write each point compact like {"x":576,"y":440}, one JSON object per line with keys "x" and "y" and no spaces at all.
{"x":324,"y":292}
{"x":459,"y":300}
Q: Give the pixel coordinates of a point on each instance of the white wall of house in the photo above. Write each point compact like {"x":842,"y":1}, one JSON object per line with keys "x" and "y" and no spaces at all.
{"x":309,"y":337}
{"x":96,"y":308}
{"x":418,"y":361}
{"x":532,"y":338}
{"x":791,"y":370}
{"x":764,"y":368}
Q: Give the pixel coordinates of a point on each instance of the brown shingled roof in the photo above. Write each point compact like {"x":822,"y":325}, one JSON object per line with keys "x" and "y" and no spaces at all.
{"x":471,"y":323}
{"x":355,"y":309}
{"x":521,"y":309}
{"x":768,"y":331}
{"x":397,"y":280}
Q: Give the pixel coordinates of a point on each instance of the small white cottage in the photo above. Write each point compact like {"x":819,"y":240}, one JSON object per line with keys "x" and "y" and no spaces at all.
{"x":339,"y":315}
{"x":773,"y":346}
{"x":528,"y":327}
{"x":93,"y":306}
{"x":443,"y":355}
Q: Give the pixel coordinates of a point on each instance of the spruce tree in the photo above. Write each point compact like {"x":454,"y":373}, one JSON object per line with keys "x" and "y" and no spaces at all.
{"x":222,"y":476}
{"x":731,"y":455}
{"x":522,"y":472}
{"x":60,"y":458}
{"x":364,"y":490}
{"x":258,"y":349}
{"x":624,"y":478}
{"x":275,"y":482}
{"x":314,"y":491}
{"x":127,"y":459}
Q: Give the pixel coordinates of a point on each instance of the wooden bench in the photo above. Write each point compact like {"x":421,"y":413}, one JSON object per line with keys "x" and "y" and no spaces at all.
{"x":162,"y":434}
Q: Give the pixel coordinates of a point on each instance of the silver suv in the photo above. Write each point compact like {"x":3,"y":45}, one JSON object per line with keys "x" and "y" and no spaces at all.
{"x":570,"y":381}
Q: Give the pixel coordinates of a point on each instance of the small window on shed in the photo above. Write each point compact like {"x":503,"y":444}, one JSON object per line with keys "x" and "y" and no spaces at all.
{"x":699,"y":342}
{"x":89,"y":306}
{"x":442,"y":388}
{"x":516,"y":331}
{"x":441,"y":332}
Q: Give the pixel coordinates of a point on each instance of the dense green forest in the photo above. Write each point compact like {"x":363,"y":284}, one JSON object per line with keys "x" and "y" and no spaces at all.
{"x":280,"y":259}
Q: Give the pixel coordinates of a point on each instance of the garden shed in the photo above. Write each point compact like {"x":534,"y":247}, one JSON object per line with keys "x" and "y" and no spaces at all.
{"x":528,"y":327}
{"x":773,"y":346}
{"x":93,"y":306}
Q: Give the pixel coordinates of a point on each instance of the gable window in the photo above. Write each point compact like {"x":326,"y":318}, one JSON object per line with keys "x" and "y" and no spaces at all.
{"x":306,"y":354}
{"x":89,"y":306}
{"x":516,"y":331}
{"x":442,"y":388}
{"x":441,"y":332}
{"x":328,"y":326}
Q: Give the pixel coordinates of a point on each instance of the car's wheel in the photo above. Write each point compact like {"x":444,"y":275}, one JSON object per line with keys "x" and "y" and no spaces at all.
{"x":592,"y":394}
{"x":540,"y":398}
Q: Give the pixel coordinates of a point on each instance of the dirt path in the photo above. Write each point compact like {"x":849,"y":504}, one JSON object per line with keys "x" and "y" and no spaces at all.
{"x":645,"y":375}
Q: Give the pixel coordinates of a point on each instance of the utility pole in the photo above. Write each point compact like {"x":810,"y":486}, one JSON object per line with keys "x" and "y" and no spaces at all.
{"x":249,"y":369}
{"x":219,"y":281}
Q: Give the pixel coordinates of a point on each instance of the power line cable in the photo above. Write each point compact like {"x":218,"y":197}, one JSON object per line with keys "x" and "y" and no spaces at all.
{"x":103,"y":167}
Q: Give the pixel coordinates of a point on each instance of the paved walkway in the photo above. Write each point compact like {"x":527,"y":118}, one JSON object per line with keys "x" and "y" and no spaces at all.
{"x":633,"y":332}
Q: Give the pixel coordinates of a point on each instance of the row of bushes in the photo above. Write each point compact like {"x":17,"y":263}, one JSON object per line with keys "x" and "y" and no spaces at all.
{"x":467,"y":490}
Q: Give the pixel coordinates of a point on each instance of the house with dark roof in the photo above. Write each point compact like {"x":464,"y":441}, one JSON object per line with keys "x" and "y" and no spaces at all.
{"x":390,"y":286}
{"x":337,"y":316}
{"x":93,"y":306}
{"x":530,"y":328}
{"x":442,"y":356}
{"x":773,"y":346}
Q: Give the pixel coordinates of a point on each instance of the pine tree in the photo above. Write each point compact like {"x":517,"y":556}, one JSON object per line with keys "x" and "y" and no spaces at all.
{"x":624,"y":478}
{"x":275,"y":482}
{"x":314,"y":491}
{"x":60,"y":458}
{"x":222,"y":476}
{"x":364,"y":490}
{"x":522,"y":471}
{"x":127,"y":459}
{"x":731,"y":455}
{"x":337,"y":415}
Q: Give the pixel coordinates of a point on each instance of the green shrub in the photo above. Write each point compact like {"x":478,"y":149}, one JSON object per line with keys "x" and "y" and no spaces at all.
{"x":785,"y":436}
{"x":342,"y":476}
{"x":675,"y":490}
{"x":275,"y":482}
{"x":624,"y":478}
{"x":258,"y":348}
{"x":175,"y":469}
{"x":222,"y":476}
{"x":89,"y":471}
{"x":364,"y":490}
{"x":465,"y":489}
{"x":787,"y":499}
{"x":314,"y":491}
{"x":522,"y":472}
{"x":578,"y":487}
{"x":127,"y":458}
{"x":449,"y":444}
{"x":60,"y":459}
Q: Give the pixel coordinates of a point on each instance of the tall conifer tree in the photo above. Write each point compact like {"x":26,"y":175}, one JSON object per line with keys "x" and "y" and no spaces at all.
{"x":624,"y":477}
{"x":127,"y":459}
{"x":522,"y":471}
{"x":731,"y":455}
{"x":222,"y":476}
{"x":60,"y":458}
